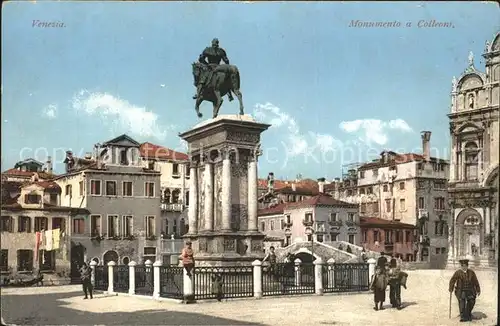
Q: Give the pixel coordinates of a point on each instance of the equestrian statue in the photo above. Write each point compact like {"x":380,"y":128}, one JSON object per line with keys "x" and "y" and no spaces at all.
{"x":214,"y":80}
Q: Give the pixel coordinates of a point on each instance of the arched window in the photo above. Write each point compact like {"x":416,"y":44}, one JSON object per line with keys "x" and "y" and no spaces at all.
{"x":166,"y":196}
{"x":125,"y":260}
{"x":187,"y":198}
{"x":471,"y":161}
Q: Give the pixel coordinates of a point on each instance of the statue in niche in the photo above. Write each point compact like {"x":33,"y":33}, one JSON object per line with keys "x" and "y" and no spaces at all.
{"x":471,"y":101}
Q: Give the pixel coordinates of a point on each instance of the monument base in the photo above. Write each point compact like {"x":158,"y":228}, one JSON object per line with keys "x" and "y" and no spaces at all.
{"x":227,"y":248}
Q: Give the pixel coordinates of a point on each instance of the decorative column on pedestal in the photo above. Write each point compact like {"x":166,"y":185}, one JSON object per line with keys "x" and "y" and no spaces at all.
{"x":226,"y":189}
{"x":193,"y":199}
{"x":209,"y":194}
{"x":253,"y":190}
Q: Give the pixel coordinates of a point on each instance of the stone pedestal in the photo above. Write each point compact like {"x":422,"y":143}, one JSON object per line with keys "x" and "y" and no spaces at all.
{"x":223,"y":191}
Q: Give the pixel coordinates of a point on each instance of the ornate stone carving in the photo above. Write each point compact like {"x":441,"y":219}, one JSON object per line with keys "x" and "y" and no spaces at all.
{"x":211,"y":246}
{"x":243,"y":137}
{"x":239,"y":169}
{"x":236,"y":211}
{"x":229,"y":245}
{"x":256,"y":246}
{"x":203,"y":245}
{"x":241,"y":247}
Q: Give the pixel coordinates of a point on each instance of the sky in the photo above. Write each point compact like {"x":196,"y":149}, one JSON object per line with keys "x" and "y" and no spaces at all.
{"x":334,"y":94}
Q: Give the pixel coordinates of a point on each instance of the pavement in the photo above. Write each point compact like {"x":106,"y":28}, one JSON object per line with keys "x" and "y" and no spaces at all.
{"x":426,"y":302}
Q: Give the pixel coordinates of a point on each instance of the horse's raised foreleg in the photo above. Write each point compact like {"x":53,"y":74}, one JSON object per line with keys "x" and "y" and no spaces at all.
{"x":217,"y":103}
{"x":199,"y":99}
{"x":238,"y":94}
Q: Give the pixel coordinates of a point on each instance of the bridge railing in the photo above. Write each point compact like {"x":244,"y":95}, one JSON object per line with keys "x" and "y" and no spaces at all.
{"x":224,"y":282}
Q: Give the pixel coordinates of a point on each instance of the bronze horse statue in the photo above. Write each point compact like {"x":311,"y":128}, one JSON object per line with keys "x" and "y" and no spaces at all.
{"x":225,"y":79}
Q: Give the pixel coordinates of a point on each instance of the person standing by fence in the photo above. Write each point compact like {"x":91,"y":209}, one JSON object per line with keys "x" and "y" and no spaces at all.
{"x":187,"y":257}
{"x":466,"y":289}
{"x":379,"y":285}
{"x":85,"y":275}
{"x":271,"y":257}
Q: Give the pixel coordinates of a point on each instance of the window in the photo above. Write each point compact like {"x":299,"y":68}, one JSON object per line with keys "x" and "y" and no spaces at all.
{"x":376,"y":236}
{"x":361,"y":174}
{"x":4,"y":260}
{"x":420,"y":166}
{"x":282,"y":224}
{"x":32,"y":199}
{"x":123,"y":157}
{"x":288,"y":218}
{"x":187,"y":198}
{"x":375,"y":172}
{"x":369,"y":190}
{"x":319,"y":238}
{"x":471,"y":161}
{"x":127,"y":225}
{"x":439,"y":203}
{"x":333,"y":217}
{"x":95,"y":225}
{"x":388,"y":205}
{"x":421,"y":203}
{"x":149,"y":254}
{"x":110,"y":188}
{"x":271,"y":226}
{"x":151,"y":165}
{"x":399,"y":236}
{"x":175,"y":169}
{"x":363,"y":207}
{"x":127,"y":189}
{"x":53,"y":199}
{"x":47,"y":260}
{"x":174,"y":230}
{"x":388,"y":237}
{"x":113,"y":226}
{"x":149,"y":189}
{"x":402,"y":204}
{"x":78,"y":226}
{"x":24,"y":224}
{"x":334,"y":236}
{"x":308,"y":217}
{"x":95,"y":187}
{"x":401,"y":186}
{"x":150,"y":226}
{"x":176,"y":196}
{"x":188,"y":171}
{"x":362,"y":191}
{"x":59,"y":223}
{"x":408,"y":237}
{"x":41,"y":224}
{"x":385,"y":188}
{"x":375,"y":207}
{"x":309,"y":237}
{"x":262,"y":226}
{"x":421,"y":184}
{"x":25,"y":260}
{"x":350,"y":217}
{"x":81,"y":188}
{"x":439,"y":184}
{"x":365,"y":236}
{"x":288,"y":240}
{"x":68,"y":190}
{"x":351,"y":238}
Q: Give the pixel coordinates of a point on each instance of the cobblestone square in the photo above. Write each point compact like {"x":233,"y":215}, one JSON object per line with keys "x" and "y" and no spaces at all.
{"x":426,"y":301}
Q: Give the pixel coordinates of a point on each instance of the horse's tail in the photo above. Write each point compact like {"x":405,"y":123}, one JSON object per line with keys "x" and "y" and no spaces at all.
{"x":235,"y":78}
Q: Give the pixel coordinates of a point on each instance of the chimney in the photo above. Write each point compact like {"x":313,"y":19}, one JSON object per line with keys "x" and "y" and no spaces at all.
{"x":49,"y":164}
{"x":321,"y":185}
{"x":426,"y":150}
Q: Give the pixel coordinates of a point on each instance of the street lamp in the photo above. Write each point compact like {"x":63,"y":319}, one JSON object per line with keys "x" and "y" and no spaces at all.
{"x":310,"y":232}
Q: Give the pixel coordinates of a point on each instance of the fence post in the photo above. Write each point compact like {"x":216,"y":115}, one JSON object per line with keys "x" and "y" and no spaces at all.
{"x":371,"y":269}
{"x":298,"y":272}
{"x":131,"y":277}
{"x":318,"y":276}
{"x":149,"y":272}
{"x":257,"y":278}
{"x":156,"y":279}
{"x":92,"y":264}
{"x":188,"y":286}
{"x":111,"y":276}
{"x":331,"y":273}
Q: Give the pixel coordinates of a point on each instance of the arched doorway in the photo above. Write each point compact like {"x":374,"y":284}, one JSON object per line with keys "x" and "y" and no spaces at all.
{"x":305,"y":257}
{"x":470,"y":238}
{"x":77,"y":259}
{"x":110,"y":255}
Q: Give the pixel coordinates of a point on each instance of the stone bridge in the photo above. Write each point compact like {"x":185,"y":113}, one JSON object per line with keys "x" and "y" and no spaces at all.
{"x":305,"y":250}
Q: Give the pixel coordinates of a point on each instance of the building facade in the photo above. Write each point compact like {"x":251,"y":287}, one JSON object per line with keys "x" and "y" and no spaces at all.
{"x":123,"y":199}
{"x":473,"y":186}
{"x":174,"y":186}
{"x":391,"y":237}
{"x":30,"y":209}
{"x":409,"y":188}
{"x":329,"y":219}
{"x":272,"y":191}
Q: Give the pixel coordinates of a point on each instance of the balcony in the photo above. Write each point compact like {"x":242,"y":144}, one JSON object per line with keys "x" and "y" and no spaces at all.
{"x":320,"y":229}
{"x":307,"y":222}
{"x":350,"y":223}
{"x":171,"y":246}
{"x":172,"y":207}
{"x":335,"y":223}
{"x":288,"y":224}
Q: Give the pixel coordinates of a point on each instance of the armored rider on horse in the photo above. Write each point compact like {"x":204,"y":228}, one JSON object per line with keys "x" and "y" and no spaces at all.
{"x":214,"y":80}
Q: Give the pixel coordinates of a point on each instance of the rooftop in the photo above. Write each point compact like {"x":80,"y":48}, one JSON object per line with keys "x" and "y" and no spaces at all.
{"x":318,"y":200}
{"x":394,"y":158}
{"x":379,"y":222}
{"x":157,"y":152}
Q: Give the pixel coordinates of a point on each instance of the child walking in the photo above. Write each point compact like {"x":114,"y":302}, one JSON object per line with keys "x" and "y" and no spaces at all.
{"x":379,"y":286}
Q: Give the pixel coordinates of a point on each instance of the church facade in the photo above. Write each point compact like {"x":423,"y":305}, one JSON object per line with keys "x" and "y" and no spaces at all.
{"x":473,"y":184}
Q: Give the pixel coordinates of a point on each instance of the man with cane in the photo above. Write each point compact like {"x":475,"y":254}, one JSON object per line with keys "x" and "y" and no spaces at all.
{"x":467,"y":288}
